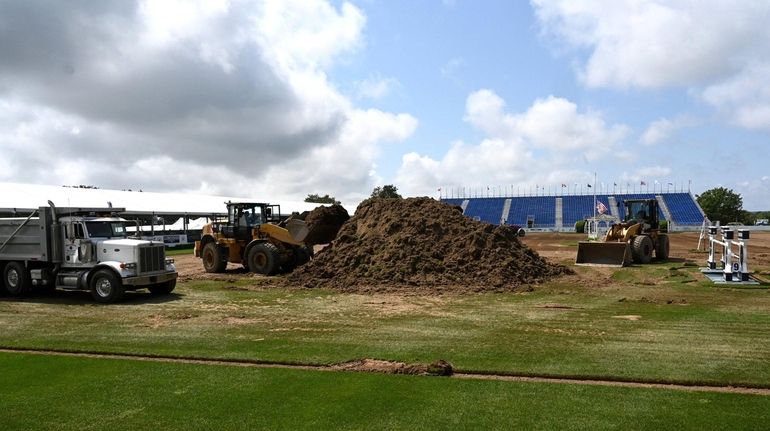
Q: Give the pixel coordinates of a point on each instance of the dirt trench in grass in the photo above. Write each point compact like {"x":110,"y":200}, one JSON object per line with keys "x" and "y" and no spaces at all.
{"x":437,"y":368}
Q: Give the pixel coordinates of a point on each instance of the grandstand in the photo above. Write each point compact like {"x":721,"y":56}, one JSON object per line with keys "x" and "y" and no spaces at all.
{"x":560,"y":212}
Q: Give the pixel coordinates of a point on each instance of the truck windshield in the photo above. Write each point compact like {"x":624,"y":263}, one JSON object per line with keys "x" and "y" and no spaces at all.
{"x":106,"y":229}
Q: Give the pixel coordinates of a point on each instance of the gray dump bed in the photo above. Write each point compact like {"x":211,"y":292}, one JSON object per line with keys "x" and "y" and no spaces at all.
{"x":23,"y":238}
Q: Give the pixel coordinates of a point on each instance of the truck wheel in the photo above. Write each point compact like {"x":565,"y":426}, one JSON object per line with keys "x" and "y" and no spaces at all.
{"x":661,"y":251}
{"x":212,"y":258}
{"x":106,"y":287}
{"x":263,"y":258}
{"x":641,"y":249}
{"x":162,"y":288}
{"x":16,"y":279}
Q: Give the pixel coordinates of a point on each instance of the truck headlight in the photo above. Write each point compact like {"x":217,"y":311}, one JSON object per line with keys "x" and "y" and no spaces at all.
{"x":130,"y":265}
{"x":169,"y":261}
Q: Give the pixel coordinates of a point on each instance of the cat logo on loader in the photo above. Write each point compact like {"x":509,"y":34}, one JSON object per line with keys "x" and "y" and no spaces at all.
{"x":634,"y":239}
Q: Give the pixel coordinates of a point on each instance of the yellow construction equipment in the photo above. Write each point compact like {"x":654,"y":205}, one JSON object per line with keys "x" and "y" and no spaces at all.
{"x":253,"y":235}
{"x":634,"y":239}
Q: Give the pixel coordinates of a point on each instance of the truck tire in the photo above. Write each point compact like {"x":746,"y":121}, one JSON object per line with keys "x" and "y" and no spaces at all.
{"x":162,"y":288}
{"x":212,"y":258}
{"x":661,"y":251}
{"x":263,"y":258}
{"x":106,"y":287}
{"x":16,"y":279}
{"x":641,"y":249}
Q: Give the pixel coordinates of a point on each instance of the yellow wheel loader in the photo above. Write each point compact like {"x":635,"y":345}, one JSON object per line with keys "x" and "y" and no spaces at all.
{"x":253,"y":235}
{"x":634,"y":239}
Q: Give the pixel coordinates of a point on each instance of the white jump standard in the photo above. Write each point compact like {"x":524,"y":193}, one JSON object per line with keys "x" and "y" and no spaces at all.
{"x":729,"y":270}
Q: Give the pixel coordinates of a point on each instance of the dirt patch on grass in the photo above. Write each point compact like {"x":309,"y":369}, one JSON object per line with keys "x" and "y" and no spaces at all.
{"x":440,"y":367}
{"x":423,"y":245}
{"x":632,"y":317}
{"x":241,"y":320}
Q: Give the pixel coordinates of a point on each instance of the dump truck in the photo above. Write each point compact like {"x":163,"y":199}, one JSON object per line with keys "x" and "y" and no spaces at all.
{"x":632,"y":240}
{"x":254,"y":234}
{"x":80,"y":249}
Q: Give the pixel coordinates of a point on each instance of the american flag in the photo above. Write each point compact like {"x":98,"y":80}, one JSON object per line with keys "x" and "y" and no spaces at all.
{"x":601,"y":208}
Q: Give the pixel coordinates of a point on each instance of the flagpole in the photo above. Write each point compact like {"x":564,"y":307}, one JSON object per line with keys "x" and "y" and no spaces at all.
{"x":594,"y":195}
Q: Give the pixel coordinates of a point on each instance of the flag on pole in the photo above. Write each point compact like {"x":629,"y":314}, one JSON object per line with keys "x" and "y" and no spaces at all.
{"x":589,"y":185}
{"x":601,"y":208}
{"x":563,"y":185}
{"x":643,"y":183}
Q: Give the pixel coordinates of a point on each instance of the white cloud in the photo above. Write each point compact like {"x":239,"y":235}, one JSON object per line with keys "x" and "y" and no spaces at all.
{"x":653,"y":44}
{"x":718,"y":50}
{"x":744,"y":97}
{"x":375,"y":87}
{"x":553,"y":123}
{"x":452,"y":69}
{"x":657,"y":131}
{"x":348,"y":166}
{"x":648,"y":174}
{"x":202,"y":96}
{"x":539,"y":146}
{"x":662,"y":129}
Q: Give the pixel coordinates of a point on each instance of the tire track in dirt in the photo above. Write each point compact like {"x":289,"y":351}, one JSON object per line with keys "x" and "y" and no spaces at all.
{"x":388,"y":367}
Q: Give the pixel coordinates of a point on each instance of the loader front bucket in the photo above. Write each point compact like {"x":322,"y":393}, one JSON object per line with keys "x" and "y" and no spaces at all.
{"x":603,"y":254}
{"x":297,"y":229}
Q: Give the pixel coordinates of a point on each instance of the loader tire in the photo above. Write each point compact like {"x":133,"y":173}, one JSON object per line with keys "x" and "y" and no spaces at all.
{"x":212,"y":258}
{"x":661,"y":251}
{"x":641,"y":249}
{"x":16,"y":279}
{"x":263,"y":259}
{"x":299,"y":257}
{"x":106,"y":287}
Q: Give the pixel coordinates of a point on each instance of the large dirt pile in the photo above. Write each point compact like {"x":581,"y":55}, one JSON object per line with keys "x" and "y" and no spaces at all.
{"x":324,"y":222}
{"x":393,"y":244}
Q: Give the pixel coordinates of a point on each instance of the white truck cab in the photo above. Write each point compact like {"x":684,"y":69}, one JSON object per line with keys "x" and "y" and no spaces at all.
{"x":86,"y":249}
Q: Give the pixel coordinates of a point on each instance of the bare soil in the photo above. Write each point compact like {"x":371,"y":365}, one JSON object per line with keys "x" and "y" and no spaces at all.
{"x":421,"y":244}
{"x":560,"y":247}
{"x":553,"y":247}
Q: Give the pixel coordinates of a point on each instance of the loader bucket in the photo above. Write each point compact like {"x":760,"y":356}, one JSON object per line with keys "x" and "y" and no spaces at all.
{"x":297,"y":229}
{"x":603,"y":254}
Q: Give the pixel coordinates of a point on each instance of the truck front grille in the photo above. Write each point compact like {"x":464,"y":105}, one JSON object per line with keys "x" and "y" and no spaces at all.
{"x":152,"y":258}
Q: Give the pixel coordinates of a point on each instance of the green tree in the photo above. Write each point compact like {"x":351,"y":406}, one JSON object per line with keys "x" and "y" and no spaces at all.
{"x":386,"y":191}
{"x":318,"y":199}
{"x":721,"y":204}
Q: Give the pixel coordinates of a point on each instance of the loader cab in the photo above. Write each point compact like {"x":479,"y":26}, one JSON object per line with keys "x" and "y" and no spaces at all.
{"x":643,"y":211}
{"x":242,"y":217}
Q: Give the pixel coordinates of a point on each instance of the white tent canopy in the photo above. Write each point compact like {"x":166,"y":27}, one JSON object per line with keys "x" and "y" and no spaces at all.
{"x":30,"y":196}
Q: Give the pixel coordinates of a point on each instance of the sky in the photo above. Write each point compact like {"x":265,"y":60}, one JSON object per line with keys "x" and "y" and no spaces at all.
{"x":278,"y":99}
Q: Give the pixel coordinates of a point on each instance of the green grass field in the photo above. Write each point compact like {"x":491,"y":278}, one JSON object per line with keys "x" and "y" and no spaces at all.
{"x":658,"y":323}
{"x":63,"y":393}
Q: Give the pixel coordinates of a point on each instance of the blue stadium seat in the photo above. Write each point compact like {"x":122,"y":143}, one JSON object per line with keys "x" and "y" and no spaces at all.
{"x":542,"y":209}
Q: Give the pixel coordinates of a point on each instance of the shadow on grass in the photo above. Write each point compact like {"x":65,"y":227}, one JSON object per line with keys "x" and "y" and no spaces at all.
{"x":79,"y":297}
